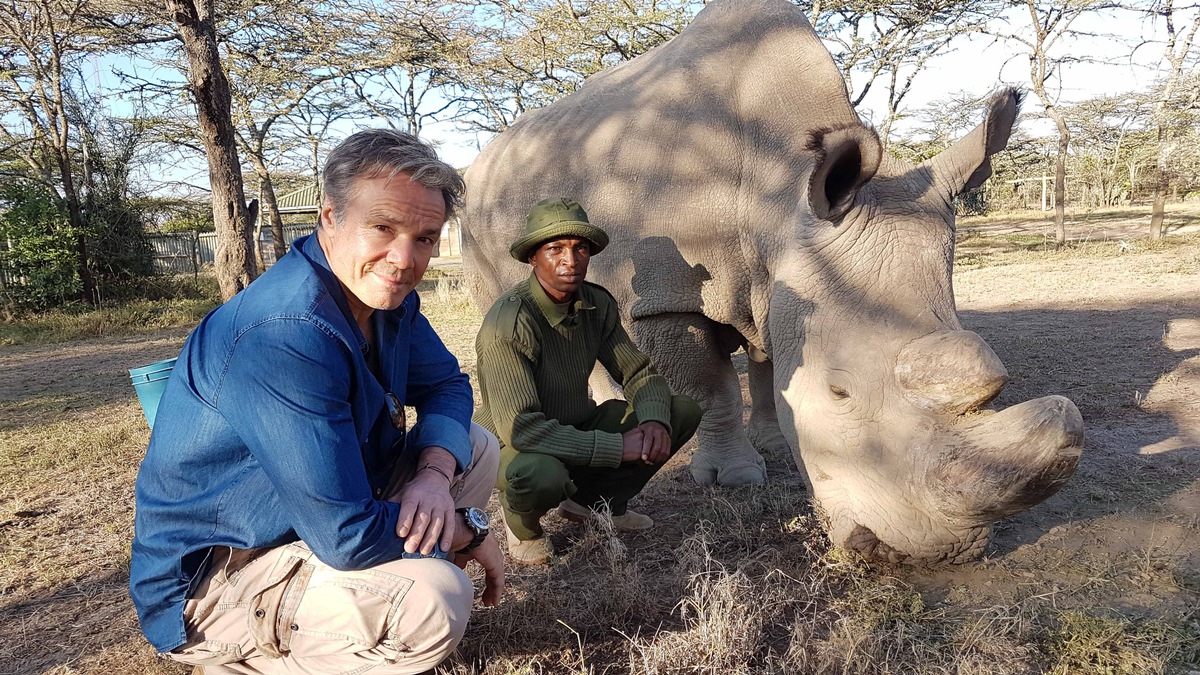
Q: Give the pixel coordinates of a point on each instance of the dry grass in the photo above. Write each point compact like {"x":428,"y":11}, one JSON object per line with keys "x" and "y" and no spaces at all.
{"x":1101,"y":579}
{"x":165,"y":302}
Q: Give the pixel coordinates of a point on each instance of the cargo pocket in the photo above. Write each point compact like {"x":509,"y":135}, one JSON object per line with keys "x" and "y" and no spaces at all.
{"x":274,"y":603}
{"x":346,"y":612}
{"x":208,"y":653}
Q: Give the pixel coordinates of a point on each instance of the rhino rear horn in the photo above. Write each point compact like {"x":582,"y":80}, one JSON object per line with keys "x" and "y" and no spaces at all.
{"x":846,"y":159}
{"x":965,"y":165}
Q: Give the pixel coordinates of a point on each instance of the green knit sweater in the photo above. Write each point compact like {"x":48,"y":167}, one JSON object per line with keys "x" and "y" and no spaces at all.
{"x":534,"y":361}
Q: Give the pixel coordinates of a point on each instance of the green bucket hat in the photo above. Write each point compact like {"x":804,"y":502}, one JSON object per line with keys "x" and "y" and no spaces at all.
{"x":554,"y":218}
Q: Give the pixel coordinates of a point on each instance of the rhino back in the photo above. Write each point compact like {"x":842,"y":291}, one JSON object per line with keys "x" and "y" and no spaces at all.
{"x":692,"y":156}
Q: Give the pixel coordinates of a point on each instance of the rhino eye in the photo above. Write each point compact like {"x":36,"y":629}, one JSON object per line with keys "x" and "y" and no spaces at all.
{"x":838,"y":392}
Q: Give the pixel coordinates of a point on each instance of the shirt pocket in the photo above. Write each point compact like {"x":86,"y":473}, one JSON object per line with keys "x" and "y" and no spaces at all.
{"x":346,"y":612}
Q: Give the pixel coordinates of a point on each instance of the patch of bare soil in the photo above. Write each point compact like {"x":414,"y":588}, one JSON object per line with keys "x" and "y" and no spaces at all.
{"x":1120,"y":336}
{"x":1113,"y":223}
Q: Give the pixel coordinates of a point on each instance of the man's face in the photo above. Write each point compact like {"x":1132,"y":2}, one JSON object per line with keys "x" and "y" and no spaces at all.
{"x":381,"y":248}
{"x":560,"y":265}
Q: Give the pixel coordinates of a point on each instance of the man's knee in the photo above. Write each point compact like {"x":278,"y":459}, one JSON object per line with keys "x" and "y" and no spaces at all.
{"x":485,"y":452}
{"x":535,"y":482}
{"x":431,"y":616}
{"x":685,"y":418}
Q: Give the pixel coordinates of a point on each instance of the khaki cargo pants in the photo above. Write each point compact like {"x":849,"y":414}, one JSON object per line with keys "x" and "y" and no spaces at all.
{"x":281,"y":610}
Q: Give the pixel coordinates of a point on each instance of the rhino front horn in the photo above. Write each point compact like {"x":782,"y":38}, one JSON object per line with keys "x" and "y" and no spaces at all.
{"x":1005,"y":463}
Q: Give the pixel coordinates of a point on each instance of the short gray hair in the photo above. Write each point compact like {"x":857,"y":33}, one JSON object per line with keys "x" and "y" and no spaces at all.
{"x":387,"y":152}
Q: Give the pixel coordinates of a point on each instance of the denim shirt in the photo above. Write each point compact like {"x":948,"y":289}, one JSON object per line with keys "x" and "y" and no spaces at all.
{"x":274,"y":428}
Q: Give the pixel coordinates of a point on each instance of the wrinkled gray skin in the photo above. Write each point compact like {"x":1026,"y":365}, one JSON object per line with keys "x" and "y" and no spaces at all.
{"x":749,"y":207}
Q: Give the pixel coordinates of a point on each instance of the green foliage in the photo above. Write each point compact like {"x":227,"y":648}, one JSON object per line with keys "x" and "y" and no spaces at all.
{"x":182,"y":215}
{"x":117,"y":244}
{"x":37,"y":248}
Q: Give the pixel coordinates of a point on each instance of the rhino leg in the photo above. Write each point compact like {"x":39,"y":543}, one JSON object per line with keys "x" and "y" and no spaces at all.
{"x":604,"y":388}
{"x":763,"y":429}
{"x":692,"y":352}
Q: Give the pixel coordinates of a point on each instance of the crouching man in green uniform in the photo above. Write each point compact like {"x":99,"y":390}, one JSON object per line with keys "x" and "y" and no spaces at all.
{"x":537,"y":346}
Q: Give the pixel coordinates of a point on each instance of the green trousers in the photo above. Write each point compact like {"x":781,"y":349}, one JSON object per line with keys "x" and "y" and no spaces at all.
{"x":530,"y":483}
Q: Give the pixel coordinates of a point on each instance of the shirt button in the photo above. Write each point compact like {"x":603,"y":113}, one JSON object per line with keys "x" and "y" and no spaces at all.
{"x":260,"y":613}
{"x":295,"y":627}
{"x":378,"y":492}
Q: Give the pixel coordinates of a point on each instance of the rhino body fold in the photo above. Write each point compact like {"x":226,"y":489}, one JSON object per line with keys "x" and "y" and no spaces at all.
{"x":749,"y":207}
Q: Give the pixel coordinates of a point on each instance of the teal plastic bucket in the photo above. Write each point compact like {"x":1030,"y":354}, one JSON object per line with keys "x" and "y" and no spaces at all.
{"x":149,"y":382}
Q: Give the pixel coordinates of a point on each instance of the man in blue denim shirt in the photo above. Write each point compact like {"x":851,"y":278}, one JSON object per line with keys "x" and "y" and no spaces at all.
{"x":285,"y":521}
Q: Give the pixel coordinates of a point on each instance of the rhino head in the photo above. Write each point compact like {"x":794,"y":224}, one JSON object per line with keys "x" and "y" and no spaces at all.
{"x":879,"y":390}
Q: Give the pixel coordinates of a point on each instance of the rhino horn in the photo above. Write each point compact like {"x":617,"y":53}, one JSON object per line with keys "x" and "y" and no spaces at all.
{"x":965,"y":165}
{"x":950,"y":372}
{"x":847,"y":158}
{"x":1004,"y":463}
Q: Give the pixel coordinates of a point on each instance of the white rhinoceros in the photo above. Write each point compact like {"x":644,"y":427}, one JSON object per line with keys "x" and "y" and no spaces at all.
{"x":748,"y":206}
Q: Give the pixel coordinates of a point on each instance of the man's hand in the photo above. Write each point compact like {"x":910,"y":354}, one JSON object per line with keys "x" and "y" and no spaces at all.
{"x":648,"y":442}
{"x":631,"y":445}
{"x":489,"y":557}
{"x":656,"y":443}
{"x":426,"y":507}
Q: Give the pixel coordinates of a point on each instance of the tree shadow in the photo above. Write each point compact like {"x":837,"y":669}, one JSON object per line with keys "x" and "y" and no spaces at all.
{"x":1137,"y":454}
{"x":74,"y":622}
{"x":45,"y":383}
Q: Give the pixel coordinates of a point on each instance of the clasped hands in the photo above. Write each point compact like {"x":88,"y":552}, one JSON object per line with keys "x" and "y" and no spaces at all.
{"x":648,"y":442}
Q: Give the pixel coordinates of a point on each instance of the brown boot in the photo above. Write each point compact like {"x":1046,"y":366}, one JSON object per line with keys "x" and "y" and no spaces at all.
{"x":536,"y":551}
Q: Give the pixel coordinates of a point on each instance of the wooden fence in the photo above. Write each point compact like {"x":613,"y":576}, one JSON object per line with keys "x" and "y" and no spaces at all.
{"x":189,"y":252}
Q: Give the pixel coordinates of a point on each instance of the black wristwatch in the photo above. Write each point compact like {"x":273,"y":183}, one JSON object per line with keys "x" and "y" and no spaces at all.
{"x":477,"y":521}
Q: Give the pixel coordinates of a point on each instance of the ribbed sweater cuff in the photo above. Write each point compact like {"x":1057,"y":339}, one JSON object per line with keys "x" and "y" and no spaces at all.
{"x":654,"y":411}
{"x":607,"y":452}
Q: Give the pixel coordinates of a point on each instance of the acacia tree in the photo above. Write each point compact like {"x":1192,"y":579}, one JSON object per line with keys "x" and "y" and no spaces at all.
{"x":273,"y":63}
{"x":419,"y":44}
{"x":1050,"y":29}
{"x":1107,"y":156}
{"x":41,"y":43}
{"x":527,"y":53}
{"x":888,"y":43}
{"x":1171,"y":98}
{"x":195,"y":21}
{"x":310,"y":123}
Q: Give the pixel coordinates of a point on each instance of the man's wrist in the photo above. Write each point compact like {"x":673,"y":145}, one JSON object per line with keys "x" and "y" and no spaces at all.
{"x":462,"y":534}
{"x":436,"y":470}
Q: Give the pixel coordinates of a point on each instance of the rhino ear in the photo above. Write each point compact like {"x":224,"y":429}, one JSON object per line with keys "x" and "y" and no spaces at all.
{"x":846,"y":159}
{"x":965,"y":165}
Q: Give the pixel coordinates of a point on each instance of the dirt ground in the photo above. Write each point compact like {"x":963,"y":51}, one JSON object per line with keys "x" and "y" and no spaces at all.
{"x":1118,"y":332}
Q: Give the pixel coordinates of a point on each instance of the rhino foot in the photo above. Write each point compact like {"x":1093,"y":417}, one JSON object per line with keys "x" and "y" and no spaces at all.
{"x":768,"y":440}
{"x":746,"y":468}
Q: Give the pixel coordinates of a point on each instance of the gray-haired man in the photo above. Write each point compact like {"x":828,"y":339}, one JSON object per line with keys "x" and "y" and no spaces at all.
{"x":286,"y":519}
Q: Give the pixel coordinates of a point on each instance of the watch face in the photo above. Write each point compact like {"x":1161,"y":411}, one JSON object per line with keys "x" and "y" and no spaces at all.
{"x":478,"y":518}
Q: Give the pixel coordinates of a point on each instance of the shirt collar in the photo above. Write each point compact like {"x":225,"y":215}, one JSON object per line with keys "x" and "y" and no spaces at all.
{"x":554,"y":312}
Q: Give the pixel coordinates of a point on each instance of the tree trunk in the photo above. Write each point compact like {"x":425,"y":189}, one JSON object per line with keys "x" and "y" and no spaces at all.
{"x":1060,"y":175}
{"x":270,"y":206}
{"x":1161,"y":180}
{"x":234,"y":263}
{"x":87,"y":289}
{"x":268,"y":197}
